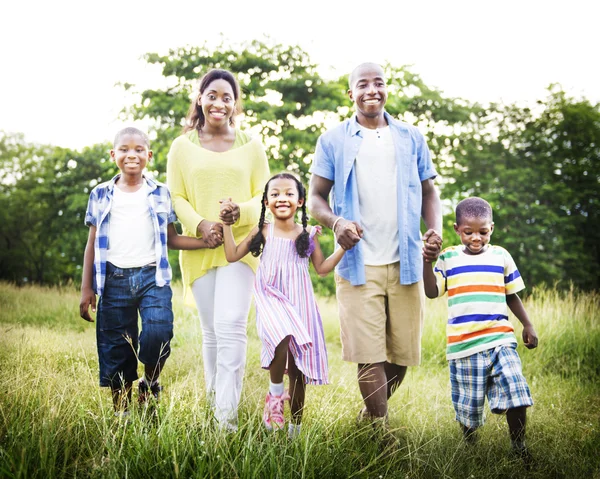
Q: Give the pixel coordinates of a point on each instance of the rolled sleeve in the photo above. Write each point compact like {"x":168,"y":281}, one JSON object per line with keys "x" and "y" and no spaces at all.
{"x":323,"y":165}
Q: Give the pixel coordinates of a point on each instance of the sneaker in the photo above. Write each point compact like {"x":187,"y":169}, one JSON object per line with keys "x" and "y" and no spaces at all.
{"x":273,"y":412}
{"x":144,"y":392}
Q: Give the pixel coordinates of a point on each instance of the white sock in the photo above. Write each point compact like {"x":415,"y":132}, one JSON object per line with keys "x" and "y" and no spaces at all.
{"x":294,"y":430}
{"x":276,"y":389}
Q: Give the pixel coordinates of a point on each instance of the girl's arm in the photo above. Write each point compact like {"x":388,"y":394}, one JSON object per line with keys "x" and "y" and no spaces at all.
{"x":323,"y":266}
{"x":530,"y":338}
{"x":88,"y":296}
{"x":235,"y":252}
{"x":177,"y":241}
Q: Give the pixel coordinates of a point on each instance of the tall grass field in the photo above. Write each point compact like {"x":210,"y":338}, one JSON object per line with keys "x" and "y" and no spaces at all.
{"x":55,"y":421}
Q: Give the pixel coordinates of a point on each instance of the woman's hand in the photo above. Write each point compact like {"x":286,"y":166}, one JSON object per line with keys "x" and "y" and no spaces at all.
{"x":211,"y":232}
{"x":230,"y":211}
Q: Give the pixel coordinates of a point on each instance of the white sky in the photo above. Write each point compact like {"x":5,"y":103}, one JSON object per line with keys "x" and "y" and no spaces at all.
{"x":61,"y":59}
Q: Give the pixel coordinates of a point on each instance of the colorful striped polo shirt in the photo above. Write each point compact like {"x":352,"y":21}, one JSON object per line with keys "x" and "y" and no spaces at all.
{"x":477,"y":286}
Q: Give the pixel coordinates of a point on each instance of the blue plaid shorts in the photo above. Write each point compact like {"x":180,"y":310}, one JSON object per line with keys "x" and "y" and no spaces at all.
{"x":495,"y":373}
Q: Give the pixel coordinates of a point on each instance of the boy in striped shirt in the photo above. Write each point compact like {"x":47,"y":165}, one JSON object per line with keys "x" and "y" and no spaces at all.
{"x":482,"y":282}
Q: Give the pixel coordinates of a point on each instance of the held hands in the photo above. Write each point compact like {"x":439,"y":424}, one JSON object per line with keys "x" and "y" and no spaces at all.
{"x":432,"y":245}
{"x":211,"y":232}
{"x":230,"y":212}
{"x":347,"y":233}
{"x":88,"y":299}
{"x":530,"y":338}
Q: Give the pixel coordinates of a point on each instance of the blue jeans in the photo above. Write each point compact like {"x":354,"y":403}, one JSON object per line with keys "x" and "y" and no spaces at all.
{"x":128,"y":291}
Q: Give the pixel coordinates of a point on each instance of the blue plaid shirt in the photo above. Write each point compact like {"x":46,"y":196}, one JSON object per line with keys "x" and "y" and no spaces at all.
{"x":334,"y":160}
{"x":98,"y":215}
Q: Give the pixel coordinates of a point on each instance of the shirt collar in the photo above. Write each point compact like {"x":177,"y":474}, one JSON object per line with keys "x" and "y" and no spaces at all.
{"x":356,"y":127}
{"x":149,"y":181}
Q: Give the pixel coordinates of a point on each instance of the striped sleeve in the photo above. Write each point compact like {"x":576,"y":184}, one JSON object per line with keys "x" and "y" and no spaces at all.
{"x":512,"y":278}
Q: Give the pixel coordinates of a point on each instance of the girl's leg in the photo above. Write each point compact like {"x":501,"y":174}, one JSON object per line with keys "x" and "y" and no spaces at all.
{"x":277,"y":366}
{"x":297,"y":390}
{"x":233,"y":295}
{"x":203,"y":290}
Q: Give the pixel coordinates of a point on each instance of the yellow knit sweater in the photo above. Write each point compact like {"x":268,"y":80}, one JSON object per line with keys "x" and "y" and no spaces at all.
{"x":198,"y":178}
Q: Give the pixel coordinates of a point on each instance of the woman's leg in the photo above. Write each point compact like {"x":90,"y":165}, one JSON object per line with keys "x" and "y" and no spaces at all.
{"x":203,"y":290}
{"x":233,"y":295}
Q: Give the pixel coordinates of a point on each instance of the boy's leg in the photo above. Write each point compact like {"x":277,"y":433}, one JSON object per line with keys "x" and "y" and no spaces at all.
{"x":297,"y":389}
{"x":517,"y":419}
{"x":509,"y":392}
{"x":117,"y":335}
{"x":121,"y":396}
{"x":468,"y":380}
{"x":155,"y":305}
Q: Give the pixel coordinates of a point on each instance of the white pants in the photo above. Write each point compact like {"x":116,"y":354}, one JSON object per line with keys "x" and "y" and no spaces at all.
{"x":223,"y":297}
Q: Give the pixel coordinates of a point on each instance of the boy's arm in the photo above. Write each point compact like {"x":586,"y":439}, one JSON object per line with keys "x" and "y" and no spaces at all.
{"x":323,"y":266}
{"x":177,"y":241}
{"x":88,"y":296}
{"x":530,"y":338}
{"x":235,"y":252}
{"x":431,"y":252}
{"x":429,"y":281}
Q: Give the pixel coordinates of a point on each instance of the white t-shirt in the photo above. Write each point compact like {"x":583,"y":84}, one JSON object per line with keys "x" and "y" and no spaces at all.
{"x":378,"y":196}
{"x":130,"y":232}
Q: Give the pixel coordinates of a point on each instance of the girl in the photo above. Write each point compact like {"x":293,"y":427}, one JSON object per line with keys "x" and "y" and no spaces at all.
{"x":211,"y":148}
{"x":287,"y":316}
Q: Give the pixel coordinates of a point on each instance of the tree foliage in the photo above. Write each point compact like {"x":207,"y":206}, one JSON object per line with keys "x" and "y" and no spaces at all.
{"x":538,"y":166}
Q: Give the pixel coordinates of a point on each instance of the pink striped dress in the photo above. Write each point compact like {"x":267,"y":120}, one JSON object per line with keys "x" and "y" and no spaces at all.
{"x":286,"y":306}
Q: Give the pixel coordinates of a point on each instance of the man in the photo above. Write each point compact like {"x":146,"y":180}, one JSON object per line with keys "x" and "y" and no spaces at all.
{"x":381,"y":174}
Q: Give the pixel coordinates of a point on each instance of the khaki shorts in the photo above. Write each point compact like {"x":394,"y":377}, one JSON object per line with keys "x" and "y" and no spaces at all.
{"x":381,"y":320}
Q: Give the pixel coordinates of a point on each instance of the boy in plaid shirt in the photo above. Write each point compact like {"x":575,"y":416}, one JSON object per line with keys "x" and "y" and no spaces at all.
{"x":130,"y":221}
{"x":482,"y":282}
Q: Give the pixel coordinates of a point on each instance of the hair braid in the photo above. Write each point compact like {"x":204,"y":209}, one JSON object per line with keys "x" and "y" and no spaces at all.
{"x":258,"y":240}
{"x":303,"y":239}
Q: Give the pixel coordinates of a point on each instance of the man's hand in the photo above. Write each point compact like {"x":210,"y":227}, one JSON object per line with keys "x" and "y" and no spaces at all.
{"x":347,"y":233}
{"x":432,"y":245}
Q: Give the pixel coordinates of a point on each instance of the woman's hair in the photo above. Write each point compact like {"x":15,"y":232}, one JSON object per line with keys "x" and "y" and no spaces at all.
{"x":302,"y":241}
{"x":195,"y":117}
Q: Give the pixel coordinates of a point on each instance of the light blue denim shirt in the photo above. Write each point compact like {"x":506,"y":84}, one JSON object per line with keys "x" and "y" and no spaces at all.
{"x":335,"y":159}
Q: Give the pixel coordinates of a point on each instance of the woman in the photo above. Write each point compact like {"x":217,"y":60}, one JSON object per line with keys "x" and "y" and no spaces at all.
{"x":211,"y":161}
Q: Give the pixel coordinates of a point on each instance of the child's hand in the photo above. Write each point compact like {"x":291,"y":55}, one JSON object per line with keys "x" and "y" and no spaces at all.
{"x":229,"y":212}
{"x":530,"y":338}
{"x":88,"y":298}
{"x":211,"y":232}
{"x":432,"y":245}
{"x":347,"y":233}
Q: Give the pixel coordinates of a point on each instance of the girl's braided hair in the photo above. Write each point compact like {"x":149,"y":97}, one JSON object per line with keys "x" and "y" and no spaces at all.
{"x":303,"y":240}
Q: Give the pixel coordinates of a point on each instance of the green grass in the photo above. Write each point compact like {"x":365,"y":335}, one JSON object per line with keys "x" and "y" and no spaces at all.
{"x":56,"y":422}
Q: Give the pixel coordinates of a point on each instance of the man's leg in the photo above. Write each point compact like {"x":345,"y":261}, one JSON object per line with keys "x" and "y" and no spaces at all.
{"x":372,"y":382}
{"x":395,"y":375}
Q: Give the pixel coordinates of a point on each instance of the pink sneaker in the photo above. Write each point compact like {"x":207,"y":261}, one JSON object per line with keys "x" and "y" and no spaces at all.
{"x":273,"y":413}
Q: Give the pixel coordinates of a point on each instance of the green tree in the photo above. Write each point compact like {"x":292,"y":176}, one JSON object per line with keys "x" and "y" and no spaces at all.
{"x":540,"y":171}
{"x":284,"y":98}
{"x":43,"y":197}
